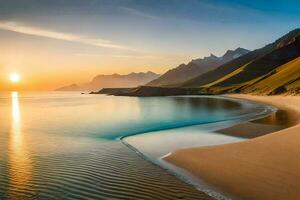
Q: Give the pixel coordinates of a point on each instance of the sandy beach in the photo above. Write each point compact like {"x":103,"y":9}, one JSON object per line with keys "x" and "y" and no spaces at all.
{"x":265,"y":167}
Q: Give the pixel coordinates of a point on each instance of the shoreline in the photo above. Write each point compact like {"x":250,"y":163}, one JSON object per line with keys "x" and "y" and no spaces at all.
{"x":264,"y":167}
{"x":138,"y":146}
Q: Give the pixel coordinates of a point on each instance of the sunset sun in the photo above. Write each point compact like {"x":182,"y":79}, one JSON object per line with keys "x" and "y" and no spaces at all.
{"x":14,"y":77}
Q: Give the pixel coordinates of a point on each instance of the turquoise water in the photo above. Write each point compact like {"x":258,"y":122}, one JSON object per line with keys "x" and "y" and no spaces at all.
{"x":65,"y":145}
{"x":111,"y":117}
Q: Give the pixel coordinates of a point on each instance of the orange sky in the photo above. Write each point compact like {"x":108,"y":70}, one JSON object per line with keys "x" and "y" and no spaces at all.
{"x":47,"y":63}
{"x":53,"y":43}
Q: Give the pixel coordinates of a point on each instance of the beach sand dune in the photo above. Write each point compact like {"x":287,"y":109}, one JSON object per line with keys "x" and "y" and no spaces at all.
{"x":266,"y":167}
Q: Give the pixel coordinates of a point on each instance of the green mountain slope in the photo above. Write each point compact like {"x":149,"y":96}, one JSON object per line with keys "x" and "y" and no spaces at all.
{"x":285,"y":78}
{"x":251,"y":60}
{"x":265,"y":64}
{"x":258,"y":71}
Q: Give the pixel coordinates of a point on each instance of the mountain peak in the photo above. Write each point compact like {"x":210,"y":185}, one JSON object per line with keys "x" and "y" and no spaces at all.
{"x":206,"y":59}
{"x":229,"y":55}
{"x":288,"y":38}
{"x":150,"y":73}
{"x":232,"y":54}
{"x":238,"y":50}
{"x":72,"y":87}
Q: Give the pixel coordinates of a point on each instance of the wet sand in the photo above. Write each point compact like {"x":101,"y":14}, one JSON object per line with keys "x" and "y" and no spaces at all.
{"x":266,"y":167}
{"x":277,"y":121}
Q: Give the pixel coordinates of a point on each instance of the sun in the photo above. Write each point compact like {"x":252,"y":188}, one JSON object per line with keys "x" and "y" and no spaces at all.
{"x":14,"y":77}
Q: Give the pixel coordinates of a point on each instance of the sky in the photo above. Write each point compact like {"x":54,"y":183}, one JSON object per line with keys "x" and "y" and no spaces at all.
{"x":52,"y":43}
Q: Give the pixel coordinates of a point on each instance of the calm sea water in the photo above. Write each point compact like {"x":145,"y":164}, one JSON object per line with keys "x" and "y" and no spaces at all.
{"x":65,"y":145}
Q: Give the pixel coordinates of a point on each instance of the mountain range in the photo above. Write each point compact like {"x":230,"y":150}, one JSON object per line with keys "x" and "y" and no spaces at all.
{"x":185,"y":72}
{"x":112,"y":81}
{"x":270,"y":70}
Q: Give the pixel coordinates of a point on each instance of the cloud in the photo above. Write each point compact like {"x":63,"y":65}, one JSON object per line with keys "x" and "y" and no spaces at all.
{"x":145,"y":55}
{"x":137,"y":13}
{"x":138,"y":56}
{"x":40,"y":32}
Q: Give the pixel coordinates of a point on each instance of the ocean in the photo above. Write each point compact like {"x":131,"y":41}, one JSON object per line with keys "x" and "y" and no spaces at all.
{"x":67,"y":145}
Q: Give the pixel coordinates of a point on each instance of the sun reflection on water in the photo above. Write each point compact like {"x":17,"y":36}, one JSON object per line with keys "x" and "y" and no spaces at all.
{"x":20,"y":166}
